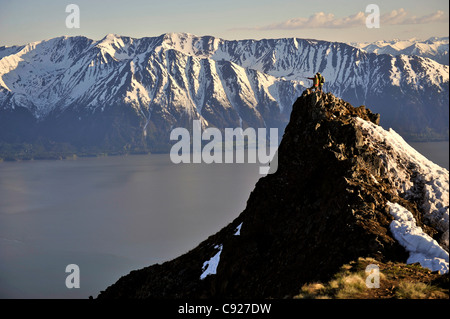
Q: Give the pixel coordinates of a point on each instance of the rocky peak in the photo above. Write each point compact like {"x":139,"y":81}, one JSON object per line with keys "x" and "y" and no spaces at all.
{"x":330,"y":201}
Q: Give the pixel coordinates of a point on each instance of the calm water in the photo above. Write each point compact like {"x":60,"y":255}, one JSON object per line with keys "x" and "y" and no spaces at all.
{"x":109,"y":216}
{"x":438,"y":152}
{"x":115,"y":214}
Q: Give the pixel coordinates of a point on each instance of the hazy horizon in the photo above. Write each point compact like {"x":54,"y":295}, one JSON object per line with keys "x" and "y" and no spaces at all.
{"x":26,"y":21}
{"x":227,"y":39}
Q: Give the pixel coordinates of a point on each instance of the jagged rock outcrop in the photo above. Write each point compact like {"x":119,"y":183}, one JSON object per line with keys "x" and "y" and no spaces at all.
{"x":329,"y":202}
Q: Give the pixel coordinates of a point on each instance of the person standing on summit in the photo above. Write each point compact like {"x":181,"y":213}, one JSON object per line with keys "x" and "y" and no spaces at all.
{"x":315,"y":85}
{"x":318,"y":81}
{"x":321,"y":81}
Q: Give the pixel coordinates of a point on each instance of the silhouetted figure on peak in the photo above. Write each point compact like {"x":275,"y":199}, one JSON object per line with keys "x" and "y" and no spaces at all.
{"x":318,"y":81}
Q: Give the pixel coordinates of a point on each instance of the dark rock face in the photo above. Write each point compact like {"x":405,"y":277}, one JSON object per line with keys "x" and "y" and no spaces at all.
{"x":323,"y":207}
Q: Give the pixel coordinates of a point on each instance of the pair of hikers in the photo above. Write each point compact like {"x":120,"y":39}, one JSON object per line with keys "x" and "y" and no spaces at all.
{"x":318,"y":81}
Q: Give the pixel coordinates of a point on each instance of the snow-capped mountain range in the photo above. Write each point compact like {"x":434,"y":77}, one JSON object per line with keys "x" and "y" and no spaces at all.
{"x":435,"y":48}
{"x":128,"y":92}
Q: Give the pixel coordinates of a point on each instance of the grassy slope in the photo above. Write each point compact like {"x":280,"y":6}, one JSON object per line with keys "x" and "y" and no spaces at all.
{"x":397,"y":280}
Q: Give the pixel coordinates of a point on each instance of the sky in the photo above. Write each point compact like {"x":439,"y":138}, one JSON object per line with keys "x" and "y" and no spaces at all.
{"x":25,"y":21}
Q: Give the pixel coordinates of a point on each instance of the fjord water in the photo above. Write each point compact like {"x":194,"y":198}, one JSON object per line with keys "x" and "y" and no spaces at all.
{"x":111,"y":215}
{"x":438,"y":152}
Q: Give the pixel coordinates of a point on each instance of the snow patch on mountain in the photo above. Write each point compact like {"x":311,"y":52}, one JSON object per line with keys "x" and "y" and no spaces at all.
{"x":238,"y":230}
{"x":210,"y":266}
{"x":428,"y":183}
{"x":421,"y":247}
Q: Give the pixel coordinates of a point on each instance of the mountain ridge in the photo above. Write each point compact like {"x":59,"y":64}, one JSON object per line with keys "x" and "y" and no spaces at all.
{"x":333,"y":198}
{"x":435,"y":48}
{"x":158,"y":83}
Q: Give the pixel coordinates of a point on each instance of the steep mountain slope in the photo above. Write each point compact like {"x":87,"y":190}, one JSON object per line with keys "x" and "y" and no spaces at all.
{"x":344,"y":188}
{"x":122,"y":93}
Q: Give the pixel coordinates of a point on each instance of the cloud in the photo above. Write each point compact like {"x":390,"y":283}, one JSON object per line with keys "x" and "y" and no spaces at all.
{"x":330,"y":21}
{"x":401,"y":16}
{"x":319,"y":20}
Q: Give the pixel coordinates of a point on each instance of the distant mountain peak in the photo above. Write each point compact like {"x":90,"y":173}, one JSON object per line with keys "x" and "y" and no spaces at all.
{"x":435,"y":48}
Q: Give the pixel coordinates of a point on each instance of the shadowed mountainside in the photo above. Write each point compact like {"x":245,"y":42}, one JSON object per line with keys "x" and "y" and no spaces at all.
{"x":329,"y":202}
